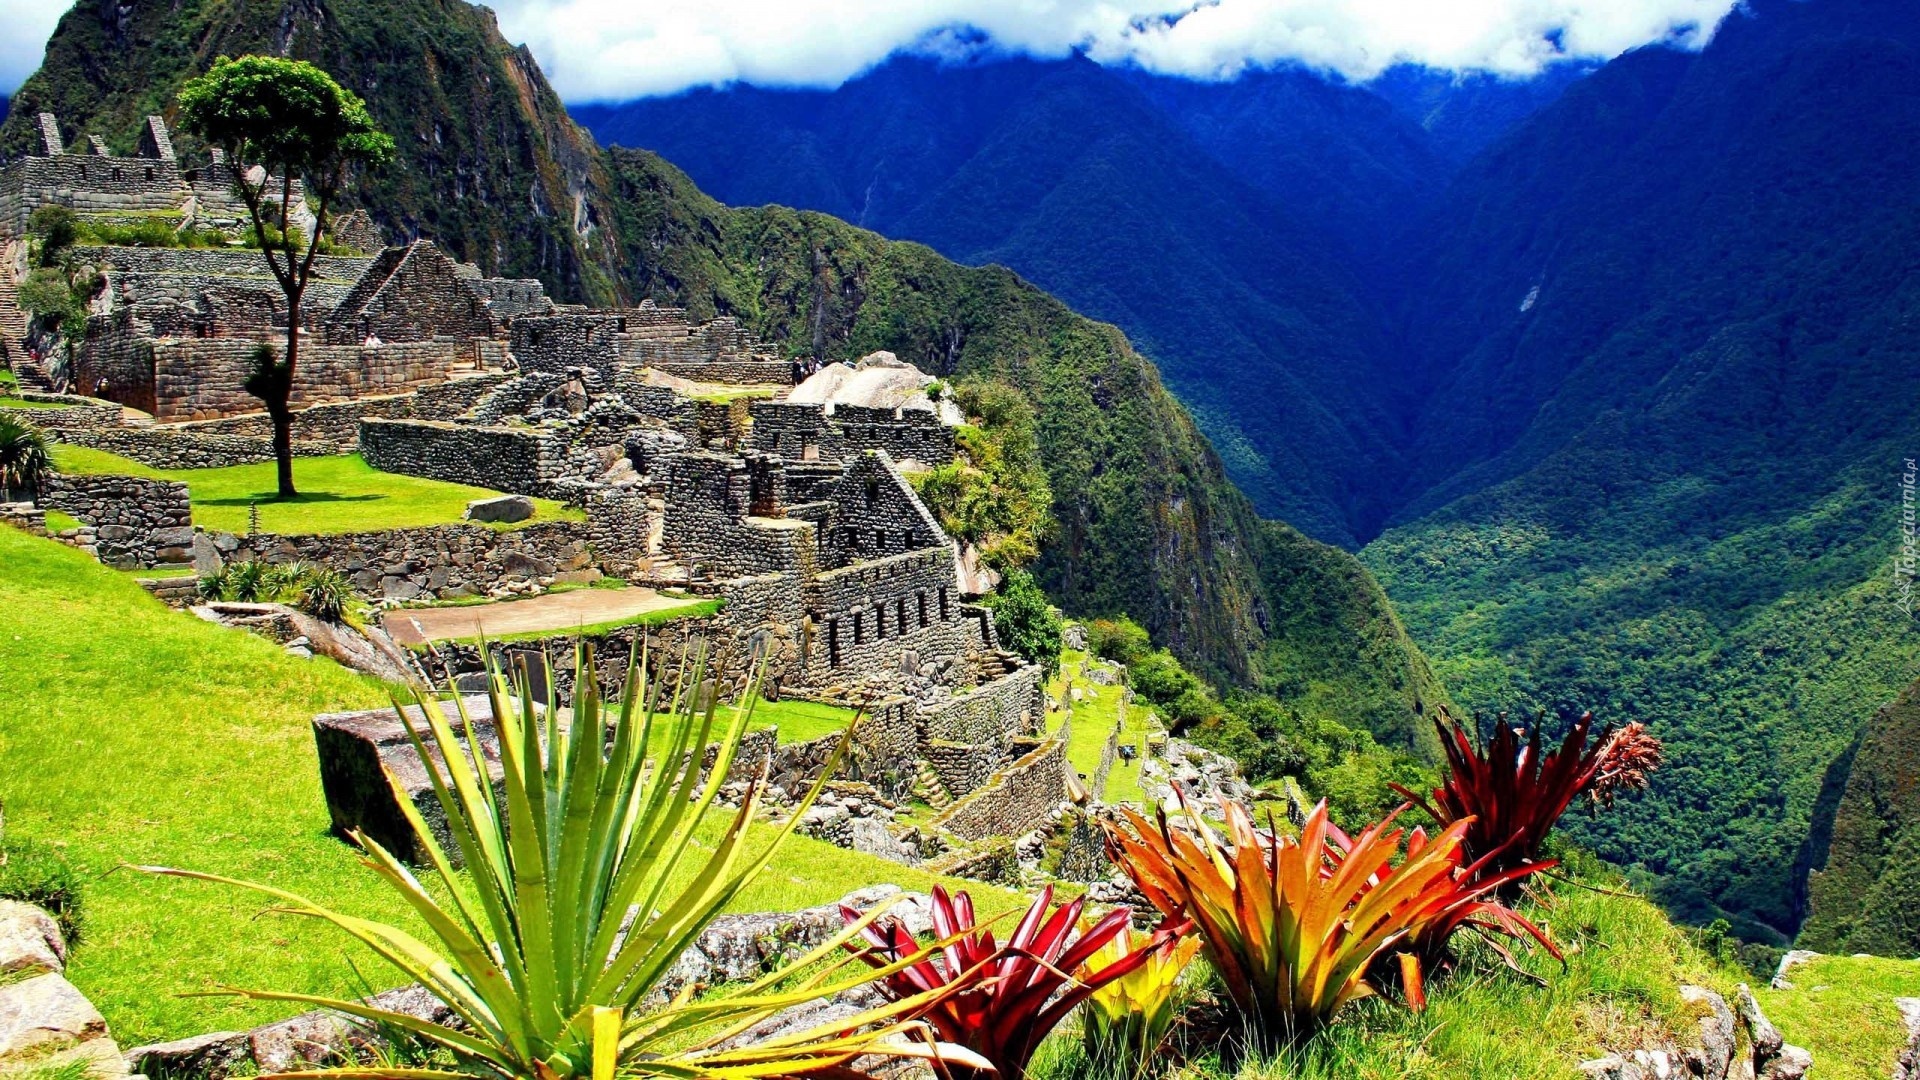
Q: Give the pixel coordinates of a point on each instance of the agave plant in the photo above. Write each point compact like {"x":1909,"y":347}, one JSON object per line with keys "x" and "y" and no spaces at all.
{"x":1006,"y":998}
{"x":583,"y":886}
{"x":23,"y":457}
{"x":1510,"y":794}
{"x":1126,"y":1020}
{"x":1291,"y":930}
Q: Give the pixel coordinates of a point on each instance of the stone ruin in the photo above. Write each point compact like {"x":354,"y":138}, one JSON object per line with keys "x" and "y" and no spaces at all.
{"x":699,"y":463}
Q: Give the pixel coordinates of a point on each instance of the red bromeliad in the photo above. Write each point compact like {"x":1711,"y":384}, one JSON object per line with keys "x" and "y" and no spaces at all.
{"x":1511,"y":794}
{"x":1018,"y":991}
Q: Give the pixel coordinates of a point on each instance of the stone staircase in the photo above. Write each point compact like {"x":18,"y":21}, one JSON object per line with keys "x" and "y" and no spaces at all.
{"x":13,"y":333}
{"x":46,"y":1024}
{"x":927,"y":786}
{"x":999,"y":664}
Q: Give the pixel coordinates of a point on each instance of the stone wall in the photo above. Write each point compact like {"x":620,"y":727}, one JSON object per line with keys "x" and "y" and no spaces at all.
{"x":1018,"y":799}
{"x":525,"y":461}
{"x":79,"y":414}
{"x":336,"y":424}
{"x":202,"y":379}
{"x":719,"y":518}
{"x":410,"y":294}
{"x":889,"y":619}
{"x":964,"y":768}
{"x":876,"y":514}
{"x":170,"y":448}
{"x":136,"y":522}
{"x":438,"y":562}
{"x":619,"y":525}
{"x":807,"y":432}
{"x":1011,"y":705}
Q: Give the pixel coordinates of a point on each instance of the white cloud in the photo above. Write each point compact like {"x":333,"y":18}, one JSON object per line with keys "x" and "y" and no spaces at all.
{"x":613,"y":49}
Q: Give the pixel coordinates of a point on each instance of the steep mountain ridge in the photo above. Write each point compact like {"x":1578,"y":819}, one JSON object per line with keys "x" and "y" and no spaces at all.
{"x":1863,"y":886}
{"x":489,"y":165}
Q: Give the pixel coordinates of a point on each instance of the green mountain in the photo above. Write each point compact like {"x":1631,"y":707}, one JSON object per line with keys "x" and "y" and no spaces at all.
{"x":490,"y":166}
{"x":1864,"y":890}
{"x":1665,"y":338}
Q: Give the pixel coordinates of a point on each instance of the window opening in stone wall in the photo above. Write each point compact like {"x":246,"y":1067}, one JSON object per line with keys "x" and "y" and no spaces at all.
{"x":900,"y":609}
{"x":149,"y":174}
{"x":873,"y":492}
{"x":859,"y":628}
{"x":879,"y":620}
{"x":833,"y":643}
{"x":922,"y":598}
{"x":945,"y":614}
{"x":116,"y":174}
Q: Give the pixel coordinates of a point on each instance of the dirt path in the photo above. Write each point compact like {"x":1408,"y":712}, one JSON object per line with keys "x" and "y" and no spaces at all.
{"x":558,"y":612}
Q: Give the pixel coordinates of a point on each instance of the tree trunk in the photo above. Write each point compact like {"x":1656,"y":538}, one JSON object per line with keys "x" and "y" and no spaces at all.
{"x":280,"y":410}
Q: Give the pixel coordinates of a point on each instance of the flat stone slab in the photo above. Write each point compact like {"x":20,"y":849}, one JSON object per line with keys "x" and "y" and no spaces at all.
{"x":559,"y":613}
{"x":503,"y":508}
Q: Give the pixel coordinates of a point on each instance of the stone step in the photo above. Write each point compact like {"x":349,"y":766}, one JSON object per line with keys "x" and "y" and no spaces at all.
{"x":927,"y":786}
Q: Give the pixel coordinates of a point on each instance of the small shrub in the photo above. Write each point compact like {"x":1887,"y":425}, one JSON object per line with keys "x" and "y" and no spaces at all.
{"x":1027,"y":624}
{"x":319,"y":591}
{"x":1121,"y":640}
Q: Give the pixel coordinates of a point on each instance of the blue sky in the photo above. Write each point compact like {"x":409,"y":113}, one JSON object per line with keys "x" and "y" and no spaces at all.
{"x":618,"y":49}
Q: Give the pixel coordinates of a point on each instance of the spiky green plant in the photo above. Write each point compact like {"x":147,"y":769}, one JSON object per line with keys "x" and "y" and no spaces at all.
{"x":572,"y":907}
{"x":23,"y":457}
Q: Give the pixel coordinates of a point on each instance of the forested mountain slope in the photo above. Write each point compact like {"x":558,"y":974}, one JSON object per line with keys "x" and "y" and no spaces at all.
{"x":1221,"y":225}
{"x":491,"y":166}
{"x":1666,"y":342}
{"x":1864,"y":895}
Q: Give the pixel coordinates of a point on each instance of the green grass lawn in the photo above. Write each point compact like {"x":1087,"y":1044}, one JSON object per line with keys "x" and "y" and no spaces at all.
{"x":130,"y":733}
{"x":801,"y":721}
{"x":1093,"y":720}
{"x":337,"y":494}
{"x":22,"y":403}
{"x":1841,"y":1008}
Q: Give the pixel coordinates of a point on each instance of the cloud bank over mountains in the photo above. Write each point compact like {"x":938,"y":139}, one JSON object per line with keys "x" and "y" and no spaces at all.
{"x":618,"y":49}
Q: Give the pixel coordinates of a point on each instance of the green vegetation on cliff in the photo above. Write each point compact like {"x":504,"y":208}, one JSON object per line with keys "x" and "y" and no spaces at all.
{"x":1863,"y":895}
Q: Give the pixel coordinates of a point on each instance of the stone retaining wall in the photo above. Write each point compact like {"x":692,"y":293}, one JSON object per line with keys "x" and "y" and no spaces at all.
{"x":437,"y":562}
{"x":800,"y":431}
{"x":172,"y":448}
{"x":525,"y":461}
{"x":1017,"y":800}
{"x":79,"y":414}
{"x":1010,"y":705}
{"x":136,"y":522}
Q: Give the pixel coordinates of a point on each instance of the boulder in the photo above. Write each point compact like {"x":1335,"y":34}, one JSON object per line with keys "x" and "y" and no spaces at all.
{"x":45,"y":1014}
{"x":1711,"y":1059}
{"x":1907,"y":1065}
{"x":504,"y":508}
{"x":358,"y":749}
{"x":214,"y":1056}
{"x":30,"y":941}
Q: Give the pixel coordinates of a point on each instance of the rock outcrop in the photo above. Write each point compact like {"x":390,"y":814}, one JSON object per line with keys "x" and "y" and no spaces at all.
{"x":45,"y":1022}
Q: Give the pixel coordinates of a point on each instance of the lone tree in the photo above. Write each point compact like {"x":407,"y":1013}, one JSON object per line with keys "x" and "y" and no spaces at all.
{"x":279,"y":119}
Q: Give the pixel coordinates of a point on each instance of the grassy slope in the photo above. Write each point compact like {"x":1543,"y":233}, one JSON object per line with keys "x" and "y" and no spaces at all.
{"x":1093,"y":720}
{"x":337,"y":494}
{"x":1842,"y":1009}
{"x":133,"y":734}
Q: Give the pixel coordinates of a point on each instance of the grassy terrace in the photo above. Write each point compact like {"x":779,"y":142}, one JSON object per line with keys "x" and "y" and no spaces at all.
{"x":1841,"y":1007}
{"x":133,"y":734}
{"x":1093,"y":720}
{"x":337,"y":494}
